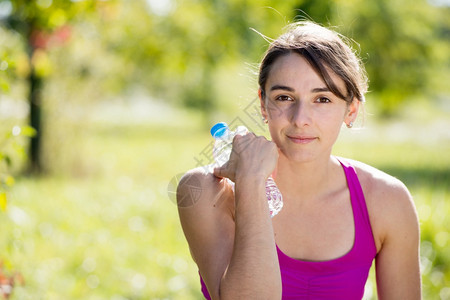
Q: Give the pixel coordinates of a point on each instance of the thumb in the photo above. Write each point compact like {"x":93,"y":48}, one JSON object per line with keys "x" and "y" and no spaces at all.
{"x":219,"y":171}
{"x":222,"y":171}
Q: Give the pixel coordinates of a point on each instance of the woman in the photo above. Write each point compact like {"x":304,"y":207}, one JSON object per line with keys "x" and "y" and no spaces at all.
{"x":338,"y":214}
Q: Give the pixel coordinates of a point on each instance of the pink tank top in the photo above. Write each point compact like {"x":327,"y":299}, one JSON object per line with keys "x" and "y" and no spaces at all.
{"x":340,"y":278}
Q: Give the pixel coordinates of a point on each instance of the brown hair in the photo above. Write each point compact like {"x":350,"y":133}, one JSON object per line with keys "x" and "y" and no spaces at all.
{"x":322,"y":48}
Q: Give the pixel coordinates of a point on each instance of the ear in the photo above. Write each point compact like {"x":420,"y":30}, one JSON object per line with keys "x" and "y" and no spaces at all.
{"x":352,"y":111}
{"x":262,"y":105}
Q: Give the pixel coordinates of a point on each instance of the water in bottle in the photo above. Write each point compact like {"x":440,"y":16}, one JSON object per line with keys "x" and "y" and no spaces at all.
{"x":222,"y":150}
{"x":274,"y":197}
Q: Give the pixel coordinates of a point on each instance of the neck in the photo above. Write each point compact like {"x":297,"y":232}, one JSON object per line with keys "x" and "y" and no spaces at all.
{"x":308,"y":179}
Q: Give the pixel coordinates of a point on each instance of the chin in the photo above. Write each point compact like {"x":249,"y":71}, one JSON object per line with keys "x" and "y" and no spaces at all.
{"x":299,"y":157}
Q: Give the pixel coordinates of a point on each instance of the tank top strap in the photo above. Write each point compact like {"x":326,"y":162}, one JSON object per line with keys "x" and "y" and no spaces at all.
{"x":363,"y":230}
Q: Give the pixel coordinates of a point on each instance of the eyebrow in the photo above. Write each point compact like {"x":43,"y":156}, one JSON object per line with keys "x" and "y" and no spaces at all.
{"x":289,"y":89}
{"x":282,"y":87}
{"x":320,"y":90}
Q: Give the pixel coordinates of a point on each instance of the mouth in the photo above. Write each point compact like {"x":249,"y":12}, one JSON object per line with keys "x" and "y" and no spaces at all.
{"x":301,"y":139}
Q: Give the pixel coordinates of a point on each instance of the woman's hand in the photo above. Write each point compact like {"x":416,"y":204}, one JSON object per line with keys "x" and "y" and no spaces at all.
{"x":252,"y":156}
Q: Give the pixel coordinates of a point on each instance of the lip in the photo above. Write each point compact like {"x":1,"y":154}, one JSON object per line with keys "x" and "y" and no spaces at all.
{"x":301,"y":139}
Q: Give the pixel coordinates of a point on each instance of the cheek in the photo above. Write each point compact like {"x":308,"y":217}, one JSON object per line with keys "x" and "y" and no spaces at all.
{"x":333,"y":123}
{"x":336,"y":115}
{"x":273,"y":111}
{"x":275,"y":134}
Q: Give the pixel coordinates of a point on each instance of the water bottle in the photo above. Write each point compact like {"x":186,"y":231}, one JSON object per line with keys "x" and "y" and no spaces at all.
{"x":222,"y":150}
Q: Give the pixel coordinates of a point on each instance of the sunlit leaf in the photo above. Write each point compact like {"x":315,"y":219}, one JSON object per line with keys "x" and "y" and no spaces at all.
{"x":41,"y":63}
{"x":57,"y":18}
{"x":19,"y":150}
{"x":22,"y":68}
{"x":9,"y":180}
{"x":3,"y":201}
{"x":4,"y":86}
{"x":6,"y":264}
{"x":28,"y":131}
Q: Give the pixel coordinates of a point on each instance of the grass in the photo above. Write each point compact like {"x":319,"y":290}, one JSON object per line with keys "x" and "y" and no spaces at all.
{"x":112,"y":232}
{"x":95,"y":240}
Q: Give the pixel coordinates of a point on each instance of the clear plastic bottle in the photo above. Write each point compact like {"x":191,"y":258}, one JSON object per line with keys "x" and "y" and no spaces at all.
{"x":222,"y":150}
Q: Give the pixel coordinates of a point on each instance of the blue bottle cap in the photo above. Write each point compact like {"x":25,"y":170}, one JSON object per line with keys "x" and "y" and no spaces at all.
{"x":218,"y":130}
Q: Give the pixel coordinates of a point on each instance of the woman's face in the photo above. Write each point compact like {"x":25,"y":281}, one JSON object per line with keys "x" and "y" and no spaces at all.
{"x":304,"y":117}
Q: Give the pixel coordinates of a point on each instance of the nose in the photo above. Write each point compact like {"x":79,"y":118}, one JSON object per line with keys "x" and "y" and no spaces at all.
{"x":301,"y":114}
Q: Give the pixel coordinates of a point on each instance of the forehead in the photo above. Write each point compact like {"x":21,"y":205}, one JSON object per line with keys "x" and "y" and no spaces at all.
{"x":295,"y":71}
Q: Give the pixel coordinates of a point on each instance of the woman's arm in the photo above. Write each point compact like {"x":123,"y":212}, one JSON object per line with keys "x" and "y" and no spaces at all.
{"x":237,"y":256}
{"x":253,"y":272}
{"x":206,"y":217}
{"x":397,"y":261}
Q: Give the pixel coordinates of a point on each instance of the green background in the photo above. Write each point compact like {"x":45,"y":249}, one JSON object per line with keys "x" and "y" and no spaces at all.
{"x":127,"y":100}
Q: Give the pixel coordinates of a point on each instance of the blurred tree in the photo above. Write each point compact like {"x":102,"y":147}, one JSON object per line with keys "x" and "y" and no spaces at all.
{"x":403,"y":42}
{"x":176,"y":47}
{"x":11,"y":145}
{"x":42,"y":24}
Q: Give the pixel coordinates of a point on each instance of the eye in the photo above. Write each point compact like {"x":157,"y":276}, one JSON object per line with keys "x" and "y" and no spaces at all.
{"x":323,"y":100}
{"x":284,"y":98}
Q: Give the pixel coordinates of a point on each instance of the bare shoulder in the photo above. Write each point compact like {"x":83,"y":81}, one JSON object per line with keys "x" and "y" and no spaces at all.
{"x":388,"y":200}
{"x":199,"y":188}
{"x":378,"y":184}
{"x":206,"y":210}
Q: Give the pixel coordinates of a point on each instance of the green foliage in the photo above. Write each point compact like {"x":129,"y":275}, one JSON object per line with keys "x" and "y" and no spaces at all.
{"x":177,"y":52}
{"x":92,"y":50}
{"x":399,"y":41}
{"x":11,"y":60}
{"x":11,"y":146}
{"x":45,"y":14}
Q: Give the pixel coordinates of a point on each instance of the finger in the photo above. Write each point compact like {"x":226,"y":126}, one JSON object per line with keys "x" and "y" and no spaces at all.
{"x":242,"y":130}
{"x":221,"y":172}
{"x":218,"y":172}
